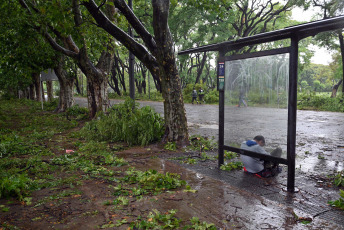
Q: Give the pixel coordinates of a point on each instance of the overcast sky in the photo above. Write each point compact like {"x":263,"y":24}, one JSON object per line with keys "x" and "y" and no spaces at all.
{"x":321,"y":55}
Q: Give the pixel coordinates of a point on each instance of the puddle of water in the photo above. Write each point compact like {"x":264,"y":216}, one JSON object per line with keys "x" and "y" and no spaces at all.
{"x":311,"y":120}
{"x":314,"y":165}
{"x":204,"y":126}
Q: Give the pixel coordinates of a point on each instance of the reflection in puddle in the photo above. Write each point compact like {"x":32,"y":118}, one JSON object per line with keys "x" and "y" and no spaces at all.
{"x":311,"y":120}
{"x":204,"y":126}
{"x":313,"y":164}
{"x":319,"y":135}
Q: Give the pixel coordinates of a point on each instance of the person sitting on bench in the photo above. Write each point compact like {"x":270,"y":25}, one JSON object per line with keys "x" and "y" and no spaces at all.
{"x":255,"y":165}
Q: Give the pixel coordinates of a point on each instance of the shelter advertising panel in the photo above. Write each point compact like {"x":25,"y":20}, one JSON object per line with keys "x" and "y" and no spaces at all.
{"x":256,"y":101}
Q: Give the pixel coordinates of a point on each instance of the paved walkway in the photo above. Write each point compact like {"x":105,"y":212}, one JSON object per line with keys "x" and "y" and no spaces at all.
{"x":309,"y":201}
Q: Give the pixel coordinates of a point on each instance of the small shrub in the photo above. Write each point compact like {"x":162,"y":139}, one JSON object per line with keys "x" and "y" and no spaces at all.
{"x":340,"y":202}
{"x":77,"y":112}
{"x":51,"y":105}
{"x":230,"y":155}
{"x":170,"y":146}
{"x":338,"y":179}
{"x":212,"y":97}
{"x":139,"y":127}
{"x":198,"y":143}
{"x":320,"y":102}
{"x":17,"y":185}
{"x":232,"y":166}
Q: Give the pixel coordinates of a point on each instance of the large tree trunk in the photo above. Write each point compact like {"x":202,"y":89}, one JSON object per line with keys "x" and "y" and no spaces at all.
{"x":66,"y":99}
{"x":174,"y":111}
{"x":37,"y":83}
{"x":97,"y":81}
{"x":50,"y":90}
{"x":97,"y":95}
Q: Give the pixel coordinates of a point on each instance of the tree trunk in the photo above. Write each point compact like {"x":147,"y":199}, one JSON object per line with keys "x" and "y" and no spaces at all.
{"x":97,"y":95}
{"x":32,"y":92}
{"x":37,"y":82}
{"x":341,"y":42}
{"x":113,"y":83}
{"x":200,"y":69}
{"x":335,"y":88}
{"x":66,"y":99}
{"x":43,"y":96}
{"x":174,"y":111}
{"x":97,"y":81}
{"x":78,"y":90}
{"x":50,"y":90}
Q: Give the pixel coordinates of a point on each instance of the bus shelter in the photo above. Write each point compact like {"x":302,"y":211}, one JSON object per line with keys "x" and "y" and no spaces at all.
{"x":269,"y":79}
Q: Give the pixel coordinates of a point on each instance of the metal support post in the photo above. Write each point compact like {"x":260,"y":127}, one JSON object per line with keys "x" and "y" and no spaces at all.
{"x":292,"y":111}
{"x":221,"y":88}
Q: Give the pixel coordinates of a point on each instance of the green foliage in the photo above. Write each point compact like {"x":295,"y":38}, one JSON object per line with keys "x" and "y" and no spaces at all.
{"x":121,"y":201}
{"x":139,"y":127}
{"x":99,"y":153}
{"x":189,"y":189}
{"x":316,"y":78}
{"x":338,"y":179}
{"x":212,"y":97}
{"x":51,"y":105}
{"x":340,"y":202}
{"x":230,"y":155}
{"x":152,"y":181}
{"x":17,"y":185}
{"x":77,"y":112}
{"x":170,"y":146}
{"x":156,"y":220}
{"x":4,"y":208}
{"x":197,"y":224}
{"x":320,"y":102}
{"x":199,"y":143}
{"x":232,"y":166}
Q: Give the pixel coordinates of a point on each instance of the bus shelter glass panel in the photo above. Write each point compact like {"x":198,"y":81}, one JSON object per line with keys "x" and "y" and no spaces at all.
{"x":256,"y":101}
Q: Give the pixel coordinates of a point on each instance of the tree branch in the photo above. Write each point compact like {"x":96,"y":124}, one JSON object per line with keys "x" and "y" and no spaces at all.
{"x":136,"y":48}
{"x":147,"y":38}
{"x":59,"y":48}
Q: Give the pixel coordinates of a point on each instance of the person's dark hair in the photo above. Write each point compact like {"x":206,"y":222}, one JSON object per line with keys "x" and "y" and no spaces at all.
{"x":259,"y":138}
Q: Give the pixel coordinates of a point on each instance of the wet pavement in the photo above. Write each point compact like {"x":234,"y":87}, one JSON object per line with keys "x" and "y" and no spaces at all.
{"x":236,"y":200}
{"x":249,"y":202}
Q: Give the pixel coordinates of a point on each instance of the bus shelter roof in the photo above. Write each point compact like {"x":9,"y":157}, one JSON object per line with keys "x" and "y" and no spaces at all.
{"x":299,"y":31}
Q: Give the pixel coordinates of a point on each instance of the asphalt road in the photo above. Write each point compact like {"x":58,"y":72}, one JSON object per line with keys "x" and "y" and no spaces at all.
{"x":320,"y":135}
